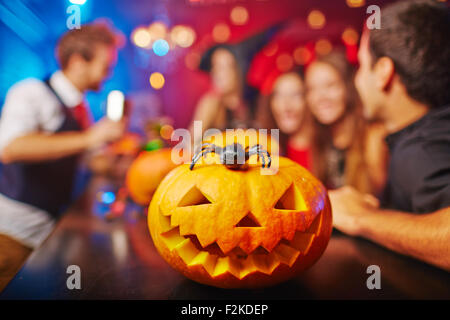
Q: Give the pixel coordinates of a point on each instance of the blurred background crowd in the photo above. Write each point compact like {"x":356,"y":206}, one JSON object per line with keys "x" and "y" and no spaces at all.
{"x":263,"y":64}
{"x":227,"y":63}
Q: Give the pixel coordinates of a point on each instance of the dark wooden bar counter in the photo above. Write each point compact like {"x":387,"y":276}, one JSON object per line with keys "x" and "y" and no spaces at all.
{"x":118,"y":261}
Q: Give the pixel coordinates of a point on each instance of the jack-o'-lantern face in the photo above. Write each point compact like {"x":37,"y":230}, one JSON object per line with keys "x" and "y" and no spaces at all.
{"x":233,"y":228}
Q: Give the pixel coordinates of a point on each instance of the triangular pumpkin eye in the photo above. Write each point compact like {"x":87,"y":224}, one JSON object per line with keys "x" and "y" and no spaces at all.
{"x":291,"y":199}
{"x":193,"y":197}
{"x":249,"y":221}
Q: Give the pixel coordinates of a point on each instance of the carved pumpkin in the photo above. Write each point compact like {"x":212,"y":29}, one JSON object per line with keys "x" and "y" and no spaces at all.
{"x":240,"y":228}
{"x":146,"y":172}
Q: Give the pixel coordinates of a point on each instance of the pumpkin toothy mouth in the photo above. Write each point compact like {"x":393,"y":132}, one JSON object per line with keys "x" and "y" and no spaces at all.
{"x":237,"y":262}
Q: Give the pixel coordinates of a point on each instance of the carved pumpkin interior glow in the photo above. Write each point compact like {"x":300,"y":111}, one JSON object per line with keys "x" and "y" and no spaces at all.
{"x":240,"y":228}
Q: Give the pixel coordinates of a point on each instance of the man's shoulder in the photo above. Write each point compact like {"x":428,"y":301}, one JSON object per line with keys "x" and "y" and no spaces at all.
{"x":431,"y":134}
{"x":437,"y":124}
{"x":423,"y":152}
{"x":27,"y":86}
{"x":426,"y":150}
{"x":28,"y":93}
{"x":420,"y":171}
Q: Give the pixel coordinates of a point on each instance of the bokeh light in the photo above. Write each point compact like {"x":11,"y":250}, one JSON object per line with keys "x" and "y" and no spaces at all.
{"x":350,"y":36}
{"x":323,"y":47}
{"x":154,"y":144}
{"x":115,"y":105}
{"x":284,"y":62}
{"x":239,"y":15}
{"x":79,"y":2}
{"x":221,"y":32}
{"x":271,"y":49}
{"x":166,"y":131}
{"x":316,"y":19}
{"x":141,"y":37}
{"x":160,"y":47}
{"x":302,"y":55}
{"x":108,"y":197}
{"x":183,"y":36}
{"x":157,"y":80}
{"x":355,"y":3}
{"x":157,"y":30}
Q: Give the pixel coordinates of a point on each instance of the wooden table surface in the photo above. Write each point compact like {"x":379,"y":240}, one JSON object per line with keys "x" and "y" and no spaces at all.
{"x":118,"y":261}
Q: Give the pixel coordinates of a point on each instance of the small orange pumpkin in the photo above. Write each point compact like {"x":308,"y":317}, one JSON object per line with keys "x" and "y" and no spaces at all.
{"x":240,"y":228}
{"x":146,"y":172}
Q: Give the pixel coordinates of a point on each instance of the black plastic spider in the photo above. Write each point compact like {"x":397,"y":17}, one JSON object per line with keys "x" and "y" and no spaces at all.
{"x":232,"y":154}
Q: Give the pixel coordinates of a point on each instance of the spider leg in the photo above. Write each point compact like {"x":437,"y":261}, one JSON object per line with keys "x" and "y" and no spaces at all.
{"x":218,"y":150}
{"x":199,"y":155}
{"x":252,"y":151}
{"x":247,"y":153}
{"x":205,"y":146}
{"x":263,"y":153}
{"x":262,"y":158}
{"x":257,"y":149}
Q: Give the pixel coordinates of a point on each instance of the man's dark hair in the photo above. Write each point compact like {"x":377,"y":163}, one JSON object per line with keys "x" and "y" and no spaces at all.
{"x":83,"y":41}
{"x":416,"y":36}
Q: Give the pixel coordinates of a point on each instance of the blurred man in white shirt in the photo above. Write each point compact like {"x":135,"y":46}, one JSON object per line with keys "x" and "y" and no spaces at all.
{"x":44,"y":128}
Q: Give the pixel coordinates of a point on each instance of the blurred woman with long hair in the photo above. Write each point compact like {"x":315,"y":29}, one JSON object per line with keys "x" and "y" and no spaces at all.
{"x":223,"y":106}
{"x":288,"y":112}
{"x":346,"y":149}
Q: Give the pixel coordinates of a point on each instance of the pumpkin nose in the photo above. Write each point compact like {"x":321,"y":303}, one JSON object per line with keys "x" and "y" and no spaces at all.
{"x":249,"y":221}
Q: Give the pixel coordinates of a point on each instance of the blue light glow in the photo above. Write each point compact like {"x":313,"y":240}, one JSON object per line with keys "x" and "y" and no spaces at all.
{"x":108,"y":197}
{"x":160,"y":47}
{"x":80,"y":2}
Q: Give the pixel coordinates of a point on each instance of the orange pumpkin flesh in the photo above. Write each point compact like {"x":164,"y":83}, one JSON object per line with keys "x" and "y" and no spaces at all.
{"x":146,"y":172}
{"x":236,"y":229}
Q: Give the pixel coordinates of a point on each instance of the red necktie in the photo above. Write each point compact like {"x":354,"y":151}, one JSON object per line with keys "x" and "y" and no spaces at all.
{"x":81,"y":115}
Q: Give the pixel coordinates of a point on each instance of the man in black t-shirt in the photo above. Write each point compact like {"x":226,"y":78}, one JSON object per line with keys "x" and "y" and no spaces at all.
{"x":404,"y":81}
